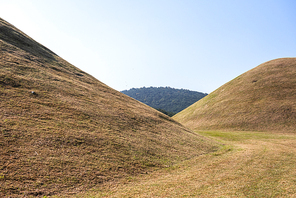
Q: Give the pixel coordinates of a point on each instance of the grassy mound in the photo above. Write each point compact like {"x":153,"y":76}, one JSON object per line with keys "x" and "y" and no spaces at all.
{"x":262,"y":99}
{"x":63,"y":131}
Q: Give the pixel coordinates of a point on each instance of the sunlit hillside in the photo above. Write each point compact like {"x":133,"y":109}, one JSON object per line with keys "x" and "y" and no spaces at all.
{"x":62,"y":131}
{"x":262,"y":99}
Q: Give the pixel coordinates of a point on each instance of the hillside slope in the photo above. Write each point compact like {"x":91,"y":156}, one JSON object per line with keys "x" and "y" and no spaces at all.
{"x":62,"y":131}
{"x":262,"y":99}
{"x":165,"y":98}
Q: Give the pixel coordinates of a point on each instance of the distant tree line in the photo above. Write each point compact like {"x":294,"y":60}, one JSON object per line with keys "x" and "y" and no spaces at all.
{"x":165,"y":99}
{"x":171,"y":114}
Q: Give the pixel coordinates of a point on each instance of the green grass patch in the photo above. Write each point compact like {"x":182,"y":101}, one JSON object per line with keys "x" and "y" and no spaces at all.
{"x":242,"y":136}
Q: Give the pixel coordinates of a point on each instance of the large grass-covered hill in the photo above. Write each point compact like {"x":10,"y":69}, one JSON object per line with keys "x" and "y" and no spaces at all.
{"x":62,"y":131}
{"x":262,"y":99}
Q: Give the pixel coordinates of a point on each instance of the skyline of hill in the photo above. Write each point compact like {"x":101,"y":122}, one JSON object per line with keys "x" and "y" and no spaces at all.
{"x":166,"y":99}
{"x":261,"y":99}
{"x":62,"y":131}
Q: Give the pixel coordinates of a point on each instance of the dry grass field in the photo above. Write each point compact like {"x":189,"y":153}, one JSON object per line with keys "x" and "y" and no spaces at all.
{"x":262,"y":99}
{"x":250,"y":164}
{"x":62,"y":131}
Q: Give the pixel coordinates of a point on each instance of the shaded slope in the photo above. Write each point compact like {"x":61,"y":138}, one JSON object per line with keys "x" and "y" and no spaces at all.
{"x":63,"y":131}
{"x":165,"y":98}
{"x":262,"y":99}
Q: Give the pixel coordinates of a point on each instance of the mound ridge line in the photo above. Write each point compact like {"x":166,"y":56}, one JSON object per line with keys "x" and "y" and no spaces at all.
{"x":262,"y":99}
{"x":62,"y":131}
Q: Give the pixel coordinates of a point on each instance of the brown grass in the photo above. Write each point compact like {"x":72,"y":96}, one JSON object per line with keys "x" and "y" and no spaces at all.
{"x":74,"y":132}
{"x":262,"y":99}
{"x":249,"y":165}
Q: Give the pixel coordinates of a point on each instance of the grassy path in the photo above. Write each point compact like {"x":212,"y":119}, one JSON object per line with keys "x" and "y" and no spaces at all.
{"x":250,"y":164}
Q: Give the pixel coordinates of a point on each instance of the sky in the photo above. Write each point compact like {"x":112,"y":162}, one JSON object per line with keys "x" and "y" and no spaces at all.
{"x":191,"y":44}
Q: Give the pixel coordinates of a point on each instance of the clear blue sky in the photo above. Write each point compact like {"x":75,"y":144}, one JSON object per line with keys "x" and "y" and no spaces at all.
{"x":191,"y":44}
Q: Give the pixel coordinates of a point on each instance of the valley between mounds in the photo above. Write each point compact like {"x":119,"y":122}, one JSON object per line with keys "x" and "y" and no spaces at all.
{"x":250,"y":164}
{"x":64,"y":132}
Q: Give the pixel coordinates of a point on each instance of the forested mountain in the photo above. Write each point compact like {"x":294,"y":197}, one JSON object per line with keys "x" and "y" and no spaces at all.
{"x":166,"y":99}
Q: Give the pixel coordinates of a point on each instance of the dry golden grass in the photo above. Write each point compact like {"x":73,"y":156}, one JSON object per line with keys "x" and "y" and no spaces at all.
{"x":250,"y":164}
{"x":74,"y":132}
{"x":262,"y":99}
